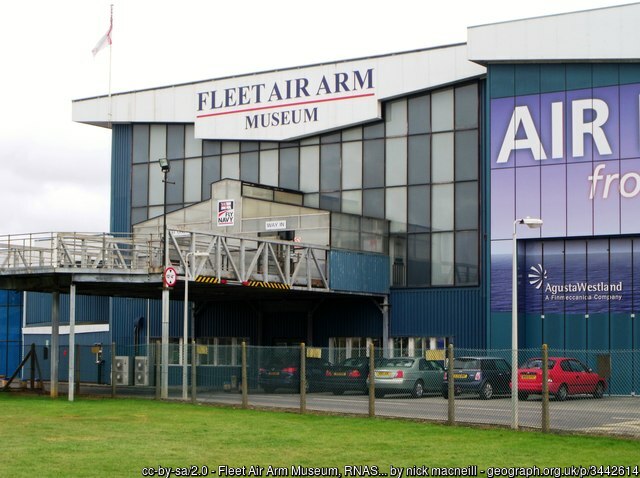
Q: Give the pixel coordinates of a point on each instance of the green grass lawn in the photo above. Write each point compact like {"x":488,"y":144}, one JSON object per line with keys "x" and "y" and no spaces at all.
{"x":40,"y":437}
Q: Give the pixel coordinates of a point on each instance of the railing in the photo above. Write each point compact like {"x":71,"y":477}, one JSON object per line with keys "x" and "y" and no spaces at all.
{"x":230,"y":258}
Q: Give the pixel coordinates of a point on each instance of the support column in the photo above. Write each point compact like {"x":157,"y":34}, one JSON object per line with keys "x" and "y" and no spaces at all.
{"x":55,"y":342}
{"x":385,"y":327}
{"x":72,"y":341}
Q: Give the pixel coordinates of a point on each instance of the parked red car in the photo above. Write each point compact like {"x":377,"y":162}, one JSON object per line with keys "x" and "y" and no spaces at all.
{"x":567,"y":376}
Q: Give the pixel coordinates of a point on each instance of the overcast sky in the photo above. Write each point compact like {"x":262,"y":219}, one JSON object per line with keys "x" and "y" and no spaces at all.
{"x":56,"y":173}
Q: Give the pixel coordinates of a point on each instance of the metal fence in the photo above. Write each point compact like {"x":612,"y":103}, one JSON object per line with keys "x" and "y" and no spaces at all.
{"x":588,"y":391}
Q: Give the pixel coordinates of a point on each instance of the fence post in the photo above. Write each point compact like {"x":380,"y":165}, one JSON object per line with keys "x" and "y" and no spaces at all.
{"x":372,"y":382}
{"x":158,"y":369}
{"x":245,"y":398}
{"x":451,"y":391}
{"x":303,"y":378}
{"x":545,"y":388}
{"x":113,"y":370}
{"x":194,"y":357}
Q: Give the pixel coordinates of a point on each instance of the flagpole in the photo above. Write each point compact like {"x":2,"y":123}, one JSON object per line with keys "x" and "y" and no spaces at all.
{"x":110,"y":56}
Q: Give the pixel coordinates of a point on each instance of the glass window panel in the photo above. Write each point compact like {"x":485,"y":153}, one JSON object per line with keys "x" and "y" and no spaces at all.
{"x":330,"y":138}
{"x":229,"y":147}
{"x":329,"y":167}
{"x":156,"y":186}
{"x":442,"y":158}
{"x":249,"y":166}
{"x":373,"y":203}
{"x":467,"y":269}
{"x":157,"y":143}
{"x":141,"y":143}
{"x":419,"y":209}
{"x":396,"y":208}
{"x":155,"y":211}
{"x":139,"y":214}
{"x":419,"y":110}
{"x":175,"y":183}
{"x":309,"y":168}
{"x":418,"y":260}
{"x":140,"y":184}
{"x":269,"y":167}
{"x":352,"y":202}
{"x":247,"y":146}
{"x":330,"y":201}
{"x":312,"y":200}
{"x":289,"y":168}
{"x":396,"y":162}
{"x":398,"y":254}
{"x":442,"y":110}
{"x":442,"y":207}
{"x":442,"y":258}
{"x":352,"y":165}
{"x":353,"y":134}
{"x":467,"y":106}
{"x":193,"y":180}
{"x":210,"y":173}
{"x":230,"y":166}
{"x":373,"y":164}
{"x":310,"y":141}
{"x":374,"y":131}
{"x":419,"y":160}
{"x":396,"y":118}
{"x":175,"y":141}
{"x":192,"y":145}
{"x":265,"y":145}
{"x":210,"y":148}
{"x":466,"y":206}
{"x":466,"y":160}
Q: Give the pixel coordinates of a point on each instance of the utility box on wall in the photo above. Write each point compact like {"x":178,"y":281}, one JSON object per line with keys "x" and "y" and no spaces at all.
{"x":141,"y":372}
{"x":121,"y":372}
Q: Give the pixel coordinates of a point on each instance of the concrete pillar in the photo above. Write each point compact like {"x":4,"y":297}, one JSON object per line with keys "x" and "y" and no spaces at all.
{"x":72,"y":341}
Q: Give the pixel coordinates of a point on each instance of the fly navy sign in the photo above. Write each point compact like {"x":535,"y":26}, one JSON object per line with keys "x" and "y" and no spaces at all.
{"x":288,"y":104}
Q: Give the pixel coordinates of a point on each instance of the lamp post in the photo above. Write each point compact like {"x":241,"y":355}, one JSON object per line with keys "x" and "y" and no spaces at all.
{"x":185,"y":331}
{"x":531,"y":223}
{"x":164,"y":388}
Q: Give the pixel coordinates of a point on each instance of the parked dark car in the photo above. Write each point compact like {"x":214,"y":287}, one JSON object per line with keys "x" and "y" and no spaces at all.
{"x":485,"y":376}
{"x":348,"y":375}
{"x":567,"y":376}
{"x":281,"y":372}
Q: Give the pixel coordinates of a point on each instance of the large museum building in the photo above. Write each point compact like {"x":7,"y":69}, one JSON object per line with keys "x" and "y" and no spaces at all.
{"x":413,"y":169}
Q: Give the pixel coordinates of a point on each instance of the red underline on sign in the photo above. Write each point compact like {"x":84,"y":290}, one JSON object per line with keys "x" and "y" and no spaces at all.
{"x":258,"y":108}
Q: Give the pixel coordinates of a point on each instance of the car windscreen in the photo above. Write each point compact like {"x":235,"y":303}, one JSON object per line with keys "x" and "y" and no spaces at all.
{"x":466,"y":364}
{"x":355,"y":362}
{"x":537,"y":363}
{"x":395,"y":363}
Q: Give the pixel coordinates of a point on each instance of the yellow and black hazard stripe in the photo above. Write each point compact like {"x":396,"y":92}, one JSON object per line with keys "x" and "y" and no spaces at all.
{"x":268,"y":285}
{"x":207,"y":280}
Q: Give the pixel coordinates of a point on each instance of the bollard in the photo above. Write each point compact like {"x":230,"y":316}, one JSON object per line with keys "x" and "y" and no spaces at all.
{"x":113,"y":370}
{"x":194,"y":397}
{"x":245,"y":398}
{"x":372,"y":382}
{"x":303,"y":378}
{"x":451,"y":413}
{"x":545,"y":388}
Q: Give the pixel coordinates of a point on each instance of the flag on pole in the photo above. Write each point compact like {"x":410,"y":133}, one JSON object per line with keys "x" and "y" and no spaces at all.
{"x":106,"y":39}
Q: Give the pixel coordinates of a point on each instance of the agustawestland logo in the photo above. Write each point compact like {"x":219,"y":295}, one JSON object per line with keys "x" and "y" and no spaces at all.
{"x":581,"y":290}
{"x":537,"y":275}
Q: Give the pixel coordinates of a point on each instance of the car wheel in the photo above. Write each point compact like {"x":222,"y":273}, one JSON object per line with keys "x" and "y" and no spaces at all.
{"x":523,"y":395}
{"x":599,"y":390}
{"x":338,"y":392}
{"x":418,"y":389}
{"x":562,"y":394}
{"x":269,"y":389}
{"x":487,"y":391}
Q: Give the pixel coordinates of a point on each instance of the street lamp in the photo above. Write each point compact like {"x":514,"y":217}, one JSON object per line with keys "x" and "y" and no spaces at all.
{"x":164,"y":389}
{"x":185,"y":331}
{"x":532,"y":223}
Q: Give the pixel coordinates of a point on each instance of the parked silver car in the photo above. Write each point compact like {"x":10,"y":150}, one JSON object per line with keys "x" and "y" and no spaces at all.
{"x":416,"y":376}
